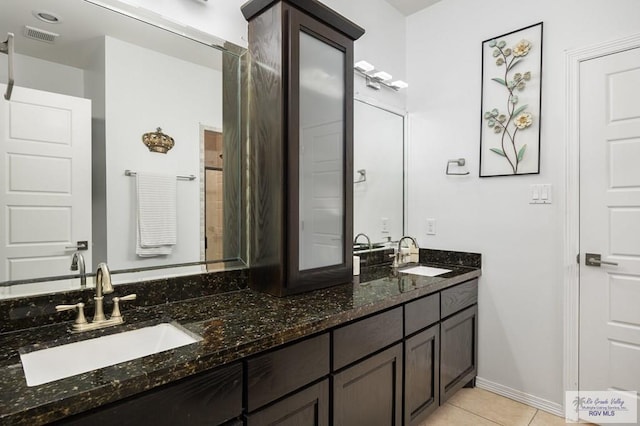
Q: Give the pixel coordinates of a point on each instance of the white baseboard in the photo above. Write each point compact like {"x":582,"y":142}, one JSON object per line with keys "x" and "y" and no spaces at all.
{"x":525,"y":398}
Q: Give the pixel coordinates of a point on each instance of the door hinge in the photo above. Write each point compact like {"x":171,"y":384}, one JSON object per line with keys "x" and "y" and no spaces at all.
{"x":578,"y":258}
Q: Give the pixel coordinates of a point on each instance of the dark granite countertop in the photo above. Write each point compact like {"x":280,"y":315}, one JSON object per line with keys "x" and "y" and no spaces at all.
{"x":233,"y":325}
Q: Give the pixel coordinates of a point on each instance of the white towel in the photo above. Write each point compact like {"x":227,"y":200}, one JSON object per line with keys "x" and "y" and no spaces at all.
{"x":156,"y":210}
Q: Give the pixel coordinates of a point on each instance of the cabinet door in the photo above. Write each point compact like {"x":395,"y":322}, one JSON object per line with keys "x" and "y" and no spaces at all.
{"x":309,"y":407}
{"x":422,"y":371}
{"x":458,"y":351}
{"x":320,"y":194}
{"x":370,"y":392}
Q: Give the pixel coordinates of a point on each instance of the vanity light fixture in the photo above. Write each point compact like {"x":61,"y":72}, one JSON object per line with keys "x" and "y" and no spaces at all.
{"x":399,"y":84}
{"x":363,"y":66}
{"x":382,"y":76}
{"x":376,"y":78}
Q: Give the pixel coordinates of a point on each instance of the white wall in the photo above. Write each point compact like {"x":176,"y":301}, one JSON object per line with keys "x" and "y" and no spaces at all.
{"x":521,"y":290}
{"x":383,"y":44}
{"x":44,"y":75}
{"x":221,"y":18}
{"x":378,"y":149}
{"x":139,"y":98}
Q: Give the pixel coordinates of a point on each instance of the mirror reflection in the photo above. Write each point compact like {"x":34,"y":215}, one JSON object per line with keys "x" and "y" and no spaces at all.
{"x":378,"y":162}
{"x":321,"y":153}
{"x":89,"y":88}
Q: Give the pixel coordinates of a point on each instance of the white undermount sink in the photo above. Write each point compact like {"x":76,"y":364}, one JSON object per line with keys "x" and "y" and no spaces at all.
{"x":425,"y":271}
{"x":48,"y":365}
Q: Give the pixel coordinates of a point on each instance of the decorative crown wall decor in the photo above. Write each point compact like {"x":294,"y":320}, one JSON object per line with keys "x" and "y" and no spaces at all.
{"x":158,"y":141}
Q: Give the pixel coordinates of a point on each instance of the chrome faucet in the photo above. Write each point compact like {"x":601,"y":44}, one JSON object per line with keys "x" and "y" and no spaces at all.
{"x":362,"y":234}
{"x":398,"y":258}
{"x":77,"y":264}
{"x":103,"y":286}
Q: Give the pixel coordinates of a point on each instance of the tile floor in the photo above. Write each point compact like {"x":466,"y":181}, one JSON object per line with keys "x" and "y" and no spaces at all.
{"x":478,"y":407}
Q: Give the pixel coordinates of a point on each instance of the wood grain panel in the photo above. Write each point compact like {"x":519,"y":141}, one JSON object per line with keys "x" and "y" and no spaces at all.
{"x":422,"y":375}
{"x":314,"y":8}
{"x":370,"y":392}
{"x":232,"y":155}
{"x":309,"y":407}
{"x":458,"y":297}
{"x":209,"y":398}
{"x":421,"y":313}
{"x":275,"y":374}
{"x":458,"y":351}
{"x":361,"y":338}
{"x":266,"y":152}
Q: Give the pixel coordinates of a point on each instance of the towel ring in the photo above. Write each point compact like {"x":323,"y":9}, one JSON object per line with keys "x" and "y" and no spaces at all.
{"x":459,"y":162}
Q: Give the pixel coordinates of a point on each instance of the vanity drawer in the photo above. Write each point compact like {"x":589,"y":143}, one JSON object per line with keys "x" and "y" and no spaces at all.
{"x":421,"y":313}
{"x":359,"y":339}
{"x":459,"y":297}
{"x":208,"y":398}
{"x":277,"y":373}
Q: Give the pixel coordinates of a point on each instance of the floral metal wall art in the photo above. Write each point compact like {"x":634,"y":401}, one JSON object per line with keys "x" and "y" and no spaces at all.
{"x":511,"y":97}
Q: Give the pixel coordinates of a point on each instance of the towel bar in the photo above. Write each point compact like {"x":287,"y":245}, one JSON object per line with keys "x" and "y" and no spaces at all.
{"x":179,"y":177}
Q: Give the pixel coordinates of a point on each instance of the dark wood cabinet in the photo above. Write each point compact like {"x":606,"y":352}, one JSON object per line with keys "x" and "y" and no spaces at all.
{"x":370,"y":392}
{"x":361,"y":338}
{"x":277,"y":373}
{"x":301,"y":150}
{"x":422,"y":375}
{"x":421,"y":313}
{"x":458,"y":351}
{"x":389,"y":368}
{"x":308,"y":407}
{"x":209,"y":398}
{"x":458,"y":297}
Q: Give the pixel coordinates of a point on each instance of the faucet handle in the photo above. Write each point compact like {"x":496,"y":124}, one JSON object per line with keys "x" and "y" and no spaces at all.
{"x":80,"y":319}
{"x":116,"y":304}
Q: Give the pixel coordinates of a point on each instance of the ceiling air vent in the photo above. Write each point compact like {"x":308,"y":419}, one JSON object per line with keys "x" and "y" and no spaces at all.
{"x":41,"y":35}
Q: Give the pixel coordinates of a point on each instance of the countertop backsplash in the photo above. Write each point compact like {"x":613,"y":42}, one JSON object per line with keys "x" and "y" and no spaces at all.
{"x":21,"y":313}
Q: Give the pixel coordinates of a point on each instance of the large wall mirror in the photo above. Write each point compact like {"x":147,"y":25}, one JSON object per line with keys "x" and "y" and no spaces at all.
{"x":90,"y":81}
{"x":379,"y":182}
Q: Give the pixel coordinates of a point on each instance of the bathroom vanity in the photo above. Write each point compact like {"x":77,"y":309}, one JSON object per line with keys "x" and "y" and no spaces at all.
{"x":389,"y":346}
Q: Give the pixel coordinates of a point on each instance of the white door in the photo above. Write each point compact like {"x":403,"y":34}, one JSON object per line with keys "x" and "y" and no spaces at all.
{"x":321,"y":196}
{"x":45,"y":182}
{"x":610,"y":222}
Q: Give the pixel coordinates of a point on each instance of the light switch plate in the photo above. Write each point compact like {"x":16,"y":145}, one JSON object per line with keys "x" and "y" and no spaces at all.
{"x":540,"y":193}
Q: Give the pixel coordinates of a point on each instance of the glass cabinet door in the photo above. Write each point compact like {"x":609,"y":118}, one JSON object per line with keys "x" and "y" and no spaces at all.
{"x":300,"y":91}
{"x":321,"y":153}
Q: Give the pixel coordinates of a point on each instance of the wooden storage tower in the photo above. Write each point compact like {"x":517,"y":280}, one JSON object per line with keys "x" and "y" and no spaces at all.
{"x":301,"y":69}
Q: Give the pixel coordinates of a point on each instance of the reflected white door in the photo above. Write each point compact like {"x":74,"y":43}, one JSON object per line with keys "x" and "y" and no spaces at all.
{"x":610,"y":222}
{"x":45,"y":182}
{"x":321,"y":196}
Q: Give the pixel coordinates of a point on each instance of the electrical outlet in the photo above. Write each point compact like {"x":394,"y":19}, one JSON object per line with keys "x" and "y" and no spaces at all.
{"x":385,"y":225}
{"x":431,"y":227}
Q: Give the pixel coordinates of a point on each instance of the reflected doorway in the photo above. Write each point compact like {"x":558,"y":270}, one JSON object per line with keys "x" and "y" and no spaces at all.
{"x":214,"y":196}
